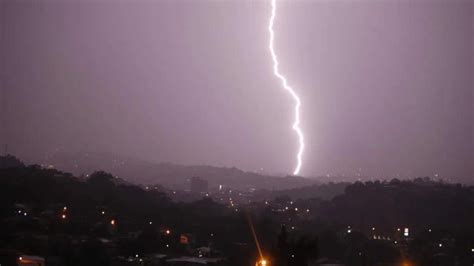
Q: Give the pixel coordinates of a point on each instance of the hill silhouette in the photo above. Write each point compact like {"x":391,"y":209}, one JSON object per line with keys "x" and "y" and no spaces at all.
{"x":171,"y":175}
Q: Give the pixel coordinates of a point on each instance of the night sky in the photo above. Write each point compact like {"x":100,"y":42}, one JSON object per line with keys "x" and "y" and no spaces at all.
{"x":386,"y":85}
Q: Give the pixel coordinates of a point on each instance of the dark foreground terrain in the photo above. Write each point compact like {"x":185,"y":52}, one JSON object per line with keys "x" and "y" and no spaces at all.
{"x":54,"y":216}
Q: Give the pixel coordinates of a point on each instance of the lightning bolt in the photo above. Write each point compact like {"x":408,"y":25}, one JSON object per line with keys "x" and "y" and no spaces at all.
{"x":294,"y":95}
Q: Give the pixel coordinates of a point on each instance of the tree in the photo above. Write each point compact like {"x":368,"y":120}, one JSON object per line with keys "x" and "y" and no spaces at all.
{"x":101,"y":179}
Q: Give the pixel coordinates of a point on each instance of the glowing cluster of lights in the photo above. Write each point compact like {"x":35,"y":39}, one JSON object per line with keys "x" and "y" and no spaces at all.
{"x":378,"y":237}
{"x":294,"y":95}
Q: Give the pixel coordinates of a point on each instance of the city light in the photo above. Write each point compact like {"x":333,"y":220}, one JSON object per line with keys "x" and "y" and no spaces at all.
{"x":112,"y":222}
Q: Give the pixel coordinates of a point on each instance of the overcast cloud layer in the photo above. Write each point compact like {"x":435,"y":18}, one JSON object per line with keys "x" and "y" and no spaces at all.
{"x":386,"y":86}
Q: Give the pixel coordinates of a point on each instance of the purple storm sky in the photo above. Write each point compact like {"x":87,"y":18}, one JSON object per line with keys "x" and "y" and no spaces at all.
{"x":386,"y":86}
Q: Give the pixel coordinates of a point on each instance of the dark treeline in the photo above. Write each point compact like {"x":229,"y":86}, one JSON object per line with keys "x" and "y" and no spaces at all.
{"x":90,"y":205}
{"x":91,"y":220}
{"x":414,"y":203}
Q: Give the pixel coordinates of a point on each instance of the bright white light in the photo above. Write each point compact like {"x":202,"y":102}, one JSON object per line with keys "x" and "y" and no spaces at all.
{"x":296,"y":123}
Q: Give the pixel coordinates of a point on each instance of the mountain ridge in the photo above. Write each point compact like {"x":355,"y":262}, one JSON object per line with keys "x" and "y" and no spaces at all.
{"x":171,"y":175}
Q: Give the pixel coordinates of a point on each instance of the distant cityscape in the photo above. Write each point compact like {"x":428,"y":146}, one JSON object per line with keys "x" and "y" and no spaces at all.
{"x":50,"y":217}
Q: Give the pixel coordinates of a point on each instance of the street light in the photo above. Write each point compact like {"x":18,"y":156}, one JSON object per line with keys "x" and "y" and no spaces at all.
{"x":261,"y":262}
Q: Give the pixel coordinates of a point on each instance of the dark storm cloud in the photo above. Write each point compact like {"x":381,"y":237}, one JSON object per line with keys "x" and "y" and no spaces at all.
{"x":386,"y":85}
